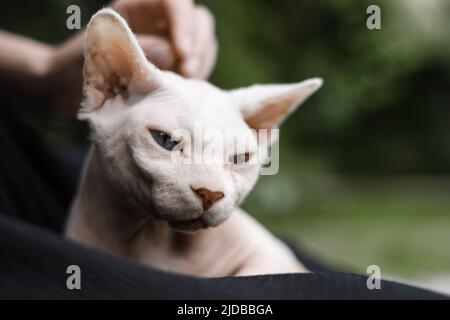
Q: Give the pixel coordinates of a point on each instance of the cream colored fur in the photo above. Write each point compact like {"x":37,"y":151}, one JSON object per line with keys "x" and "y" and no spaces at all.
{"x":133,"y":200}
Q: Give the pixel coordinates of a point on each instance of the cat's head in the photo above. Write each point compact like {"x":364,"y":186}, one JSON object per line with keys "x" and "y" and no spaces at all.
{"x":135,"y":109}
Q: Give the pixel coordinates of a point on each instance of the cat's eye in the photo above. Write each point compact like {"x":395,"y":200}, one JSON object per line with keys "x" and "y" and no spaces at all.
{"x":241,"y":158}
{"x":163,"y":139}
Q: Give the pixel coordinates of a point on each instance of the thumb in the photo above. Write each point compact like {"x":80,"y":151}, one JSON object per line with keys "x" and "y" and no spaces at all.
{"x":158,"y":51}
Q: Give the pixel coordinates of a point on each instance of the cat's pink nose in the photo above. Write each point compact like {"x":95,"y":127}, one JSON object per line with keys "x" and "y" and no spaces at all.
{"x":208,"y":197}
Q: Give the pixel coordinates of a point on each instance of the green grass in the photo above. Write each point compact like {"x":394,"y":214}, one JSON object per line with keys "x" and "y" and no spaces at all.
{"x":401,"y":224}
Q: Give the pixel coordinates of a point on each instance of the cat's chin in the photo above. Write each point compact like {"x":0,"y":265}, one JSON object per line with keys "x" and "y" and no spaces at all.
{"x":189,"y":225}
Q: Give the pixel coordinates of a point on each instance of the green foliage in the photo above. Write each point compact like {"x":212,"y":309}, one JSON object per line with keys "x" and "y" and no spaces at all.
{"x":370,"y":76}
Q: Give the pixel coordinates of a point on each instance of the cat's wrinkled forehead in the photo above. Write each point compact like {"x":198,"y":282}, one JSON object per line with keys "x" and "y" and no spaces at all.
{"x":186,"y":103}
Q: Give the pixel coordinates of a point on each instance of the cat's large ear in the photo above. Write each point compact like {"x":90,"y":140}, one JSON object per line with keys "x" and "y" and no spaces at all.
{"x":114,"y":62}
{"x":267,"y":106}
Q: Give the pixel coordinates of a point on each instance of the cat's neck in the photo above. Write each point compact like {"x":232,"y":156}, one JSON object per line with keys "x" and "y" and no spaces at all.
{"x":99,"y":219}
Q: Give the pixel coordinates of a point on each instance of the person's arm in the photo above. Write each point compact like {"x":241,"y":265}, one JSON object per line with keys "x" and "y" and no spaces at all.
{"x":24,"y":63}
{"x":174,"y":34}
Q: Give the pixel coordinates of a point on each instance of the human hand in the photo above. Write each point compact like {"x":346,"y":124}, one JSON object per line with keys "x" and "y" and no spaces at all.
{"x":177,"y":35}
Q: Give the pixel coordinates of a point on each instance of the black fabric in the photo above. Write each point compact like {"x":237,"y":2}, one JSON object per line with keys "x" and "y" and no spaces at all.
{"x":35,"y":191}
{"x":34,"y":262}
{"x":36,"y":183}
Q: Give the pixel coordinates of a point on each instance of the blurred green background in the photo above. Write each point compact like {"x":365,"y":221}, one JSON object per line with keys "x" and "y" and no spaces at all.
{"x":365,"y":164}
